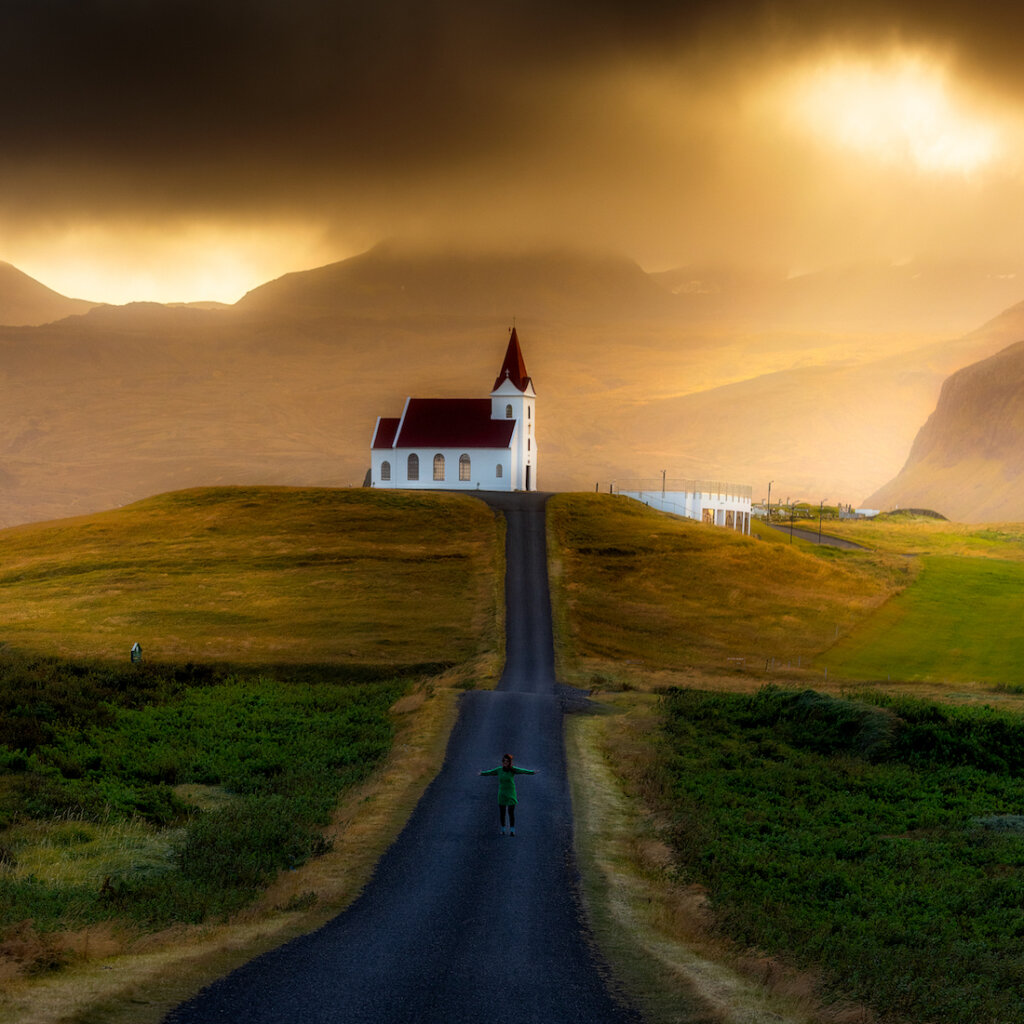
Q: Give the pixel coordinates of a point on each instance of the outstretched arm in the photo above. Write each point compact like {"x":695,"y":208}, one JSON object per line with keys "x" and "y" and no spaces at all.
{"x":524,"y":771}
{"x":491,"y":771}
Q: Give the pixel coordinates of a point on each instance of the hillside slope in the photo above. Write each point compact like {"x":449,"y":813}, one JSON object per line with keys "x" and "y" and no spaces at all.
{"x":968,"y":459}
{"x":24,"y":302}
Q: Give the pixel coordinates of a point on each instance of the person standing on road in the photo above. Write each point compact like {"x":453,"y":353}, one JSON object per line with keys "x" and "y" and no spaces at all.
{"x":507,"y":798}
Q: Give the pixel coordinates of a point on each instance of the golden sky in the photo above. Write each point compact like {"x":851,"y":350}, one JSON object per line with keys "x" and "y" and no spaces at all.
{"x":192,"y":149}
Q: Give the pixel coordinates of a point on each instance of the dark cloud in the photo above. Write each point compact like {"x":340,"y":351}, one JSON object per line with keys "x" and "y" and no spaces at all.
{"x":368,"y":84}
{"x":369,"y":115}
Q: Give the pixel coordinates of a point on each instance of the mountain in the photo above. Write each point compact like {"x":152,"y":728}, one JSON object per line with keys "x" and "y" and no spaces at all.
{"x":25,"y":302}
{"x":829,"y":428}
{"x":284,"y":387}
{"x":967,"y":461}
{"x":393,"y":282}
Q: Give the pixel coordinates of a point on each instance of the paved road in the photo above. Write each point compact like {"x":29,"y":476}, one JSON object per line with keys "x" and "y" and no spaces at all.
{"x":812,"y":536}
{"x":459,"y":924}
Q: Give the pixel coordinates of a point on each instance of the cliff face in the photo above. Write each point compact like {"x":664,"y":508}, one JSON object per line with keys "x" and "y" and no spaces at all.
{"x":967,"y":461}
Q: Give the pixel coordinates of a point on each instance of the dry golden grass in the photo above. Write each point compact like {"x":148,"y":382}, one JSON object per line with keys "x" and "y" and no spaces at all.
{"x":611,"y":564}
{"x":332,"y":577}
{"x":257,"y":576}
{"x":639,"y":592}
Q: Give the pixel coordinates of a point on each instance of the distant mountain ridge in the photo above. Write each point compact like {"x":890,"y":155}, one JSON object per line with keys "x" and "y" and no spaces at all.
{"x":285,"y":386}
{"x":392,"y":281}
{"x":967,"y":461}
{"x":24,"y":302}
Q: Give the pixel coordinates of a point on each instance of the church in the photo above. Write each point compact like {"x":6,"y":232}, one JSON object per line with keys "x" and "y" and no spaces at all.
{"x":487,"y":444}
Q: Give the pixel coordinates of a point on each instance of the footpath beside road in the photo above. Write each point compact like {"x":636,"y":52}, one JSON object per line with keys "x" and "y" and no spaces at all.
{"x":459,"y":924}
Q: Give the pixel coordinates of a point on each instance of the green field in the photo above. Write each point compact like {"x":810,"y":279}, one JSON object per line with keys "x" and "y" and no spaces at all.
{"x":961,"y":621}
{"x":880,"y":843}
{"x":278,"y":626}
{"x":870,"y":841}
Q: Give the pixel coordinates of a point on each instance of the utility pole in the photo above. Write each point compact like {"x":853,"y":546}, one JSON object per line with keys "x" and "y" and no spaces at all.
{"x":821,"y":507}
{"x":768,"y":518}
{"x":663,"y":487}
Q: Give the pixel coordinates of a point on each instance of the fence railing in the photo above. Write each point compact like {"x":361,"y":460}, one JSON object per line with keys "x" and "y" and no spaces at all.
{"x":655,"y":485}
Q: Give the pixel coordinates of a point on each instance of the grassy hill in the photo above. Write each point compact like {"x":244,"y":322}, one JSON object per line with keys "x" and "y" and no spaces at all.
{"x":849,"y":851}
{"x":257,"y":576}
{"x":649,"y":595}
{"x":245,"y":775}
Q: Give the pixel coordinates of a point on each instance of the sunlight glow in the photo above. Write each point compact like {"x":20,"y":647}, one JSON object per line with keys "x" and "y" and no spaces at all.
{"x":901,"y":111}
{"x":121,"y":263}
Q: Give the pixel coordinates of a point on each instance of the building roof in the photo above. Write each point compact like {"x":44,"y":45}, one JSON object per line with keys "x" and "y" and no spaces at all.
{"x":514,"y":366}
{"x":447,"y":423}
{"x":384,"y":435}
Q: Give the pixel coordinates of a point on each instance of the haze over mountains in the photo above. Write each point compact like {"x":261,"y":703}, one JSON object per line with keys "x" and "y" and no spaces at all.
{"x":815,"y":384}
{"x":968,"y":458}
{"x":26,"y":302}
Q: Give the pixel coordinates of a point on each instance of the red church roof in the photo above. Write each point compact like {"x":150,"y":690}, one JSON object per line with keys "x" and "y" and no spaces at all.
{"x":384,"y":435}
{"x":449,"y":423}
{"x":514,"y":367}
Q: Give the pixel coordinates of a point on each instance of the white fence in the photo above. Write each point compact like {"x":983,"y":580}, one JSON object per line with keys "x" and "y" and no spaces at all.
{"x":707,"y":501}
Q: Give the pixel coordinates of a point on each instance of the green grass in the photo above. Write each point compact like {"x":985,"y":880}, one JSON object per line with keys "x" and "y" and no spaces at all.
{"x":880,"y":843}
{"x":99,"y":823}
{"x":278,"y":626}
{"x":960,"y":621}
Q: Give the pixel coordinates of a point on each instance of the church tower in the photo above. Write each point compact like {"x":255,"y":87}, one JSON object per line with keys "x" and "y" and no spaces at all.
{"x":513,"y":398}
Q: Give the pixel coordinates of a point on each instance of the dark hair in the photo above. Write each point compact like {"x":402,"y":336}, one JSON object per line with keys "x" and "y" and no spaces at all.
{"x":503,"y":756}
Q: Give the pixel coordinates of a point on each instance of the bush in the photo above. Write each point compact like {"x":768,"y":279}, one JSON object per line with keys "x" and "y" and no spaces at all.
{"x":859,"y":838}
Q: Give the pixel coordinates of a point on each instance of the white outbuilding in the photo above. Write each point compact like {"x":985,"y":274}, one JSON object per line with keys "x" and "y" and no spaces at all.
{"x":487,"y":444}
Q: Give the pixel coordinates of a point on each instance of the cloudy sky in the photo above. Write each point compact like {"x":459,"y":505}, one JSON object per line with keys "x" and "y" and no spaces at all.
{"x":187,"y":149}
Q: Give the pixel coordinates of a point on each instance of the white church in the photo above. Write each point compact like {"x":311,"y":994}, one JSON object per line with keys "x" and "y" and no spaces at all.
{"x":487,"y":444}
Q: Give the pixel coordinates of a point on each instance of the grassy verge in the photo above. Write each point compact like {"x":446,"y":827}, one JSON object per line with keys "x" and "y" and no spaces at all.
{"x":142,"y":799}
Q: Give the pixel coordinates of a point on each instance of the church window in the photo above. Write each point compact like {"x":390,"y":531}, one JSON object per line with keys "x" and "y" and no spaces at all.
{"x":508,"y":412}
{"x":529,"y":412}
{"x":385,"y":470}
{"x":498,"y":470}
{"x":464,"y":467}
{"x":527,"y":444}
{"x":438,"y":467}
{"x":414,"y":467}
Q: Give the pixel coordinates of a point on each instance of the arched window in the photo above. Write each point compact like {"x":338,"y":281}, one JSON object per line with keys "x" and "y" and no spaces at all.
{"x":438,"y":467}
{"x":414,"y":467}
{"x":529,"y":412}
{"x":508,"y":412}
{"x":498,"y":471}
{"x":385,"y":470}
{"x":464,"y":467}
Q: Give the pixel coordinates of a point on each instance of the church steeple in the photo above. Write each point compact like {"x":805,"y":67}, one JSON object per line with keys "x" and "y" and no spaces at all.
{"x":514,"y":367}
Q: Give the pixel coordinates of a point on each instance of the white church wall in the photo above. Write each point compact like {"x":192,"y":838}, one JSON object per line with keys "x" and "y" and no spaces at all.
{"x":483,"y":469}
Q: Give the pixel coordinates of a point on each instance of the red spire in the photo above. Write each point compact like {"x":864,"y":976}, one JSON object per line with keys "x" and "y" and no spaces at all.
{"x":514,"y":367}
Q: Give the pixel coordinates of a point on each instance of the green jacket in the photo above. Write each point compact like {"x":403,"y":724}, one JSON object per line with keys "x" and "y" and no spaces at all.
{"x":507,"y":782}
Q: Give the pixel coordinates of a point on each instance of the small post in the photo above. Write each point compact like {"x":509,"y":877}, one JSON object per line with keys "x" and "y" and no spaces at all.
{"x":136,"y":652}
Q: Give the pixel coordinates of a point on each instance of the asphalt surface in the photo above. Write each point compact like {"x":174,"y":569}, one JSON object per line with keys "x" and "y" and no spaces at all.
{"x":459,"y":924}
{"x":814,"y":538}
